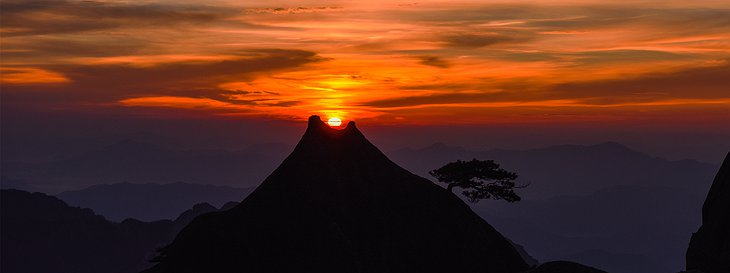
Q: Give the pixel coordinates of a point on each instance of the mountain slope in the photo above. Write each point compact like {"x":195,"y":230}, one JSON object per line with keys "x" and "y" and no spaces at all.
{"x":709,"y":248}
{"x":337,"y":204}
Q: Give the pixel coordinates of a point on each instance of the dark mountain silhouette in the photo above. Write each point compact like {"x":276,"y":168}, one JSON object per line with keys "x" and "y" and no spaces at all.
{"x":229,"y":205}
{"x":634,"y":227}
{"x":337,"y":204}
{"x":150,"y":201}
{"x":529,"y":260}
{"x":571,"y":169}
{"x":198,"y":209}
{"x":617,"y":263}
{"x":141,"y":162}
{"x":709,"y":248}
{"x":565,"y":267}
{"x":189,"y":215}
{"x":40,"y":233}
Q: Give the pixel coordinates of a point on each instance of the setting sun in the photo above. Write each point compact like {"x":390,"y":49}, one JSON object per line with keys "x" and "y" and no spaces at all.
{"x":334,"y":122}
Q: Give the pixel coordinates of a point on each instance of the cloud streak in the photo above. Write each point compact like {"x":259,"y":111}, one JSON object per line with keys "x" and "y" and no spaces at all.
{"x":377,"y":60}
{"x":188,"y":84}
{"x":66,"y":16}
{"x":695,"y":85}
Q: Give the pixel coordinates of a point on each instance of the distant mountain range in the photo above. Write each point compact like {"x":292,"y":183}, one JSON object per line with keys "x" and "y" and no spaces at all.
{"x":571,"y":169}
{"x":551,"y":171}
{"x":139,"y":162}
{"x":636,"y":210}
{"x":619,"y":229}
{"x":150,"y":201}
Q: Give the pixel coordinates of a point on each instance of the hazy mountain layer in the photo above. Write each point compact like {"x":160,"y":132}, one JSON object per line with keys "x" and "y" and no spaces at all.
{"x":149,"y":202}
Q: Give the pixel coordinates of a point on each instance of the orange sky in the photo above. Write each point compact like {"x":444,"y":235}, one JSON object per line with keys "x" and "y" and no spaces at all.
{"x":416,"y":62}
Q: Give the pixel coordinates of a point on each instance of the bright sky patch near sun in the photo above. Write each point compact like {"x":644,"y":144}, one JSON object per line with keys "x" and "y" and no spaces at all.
{"x":334,"y":122}
{"x":392,"y":62}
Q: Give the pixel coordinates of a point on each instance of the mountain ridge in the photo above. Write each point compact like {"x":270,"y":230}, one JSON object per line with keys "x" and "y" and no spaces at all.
{"x":42,"y":233}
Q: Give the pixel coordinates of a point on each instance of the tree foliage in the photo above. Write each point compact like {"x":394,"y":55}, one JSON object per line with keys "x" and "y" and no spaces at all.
{"x":480,"y":179}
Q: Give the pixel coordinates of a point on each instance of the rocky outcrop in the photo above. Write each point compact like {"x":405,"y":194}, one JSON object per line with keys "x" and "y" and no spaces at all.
{"x":709,"y":248}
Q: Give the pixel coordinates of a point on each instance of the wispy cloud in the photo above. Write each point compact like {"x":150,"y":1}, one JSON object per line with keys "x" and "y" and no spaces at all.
{"x":694,"y":85}
{"x":434,"y":61}
{"x":372,"y":60}
{"x":68,"y":16}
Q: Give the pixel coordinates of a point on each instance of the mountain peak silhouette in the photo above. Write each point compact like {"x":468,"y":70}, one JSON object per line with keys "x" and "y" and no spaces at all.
{"x":337,"y":204}
{"x":321,"y":138}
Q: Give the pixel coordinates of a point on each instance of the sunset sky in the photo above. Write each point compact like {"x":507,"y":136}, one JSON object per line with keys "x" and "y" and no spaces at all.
{"x":389,"y":61}
{"x":564,"y":66}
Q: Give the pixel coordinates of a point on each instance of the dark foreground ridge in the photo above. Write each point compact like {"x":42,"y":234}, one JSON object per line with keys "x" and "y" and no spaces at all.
{"x":709,"y":249}
{"x":337,"y":204}
{"x":41,"y":233}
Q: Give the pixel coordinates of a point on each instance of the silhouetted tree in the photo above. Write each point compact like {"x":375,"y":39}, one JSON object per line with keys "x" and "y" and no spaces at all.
{"x":481,"y":179}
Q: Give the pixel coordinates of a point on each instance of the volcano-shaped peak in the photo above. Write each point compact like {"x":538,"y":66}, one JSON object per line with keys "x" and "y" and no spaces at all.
{"x":325,"y":144}
{"x":319,"y":127}
{"x":337,"y":204}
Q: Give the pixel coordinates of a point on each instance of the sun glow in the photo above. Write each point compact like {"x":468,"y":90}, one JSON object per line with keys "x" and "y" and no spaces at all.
{"x":436,"y":62}
{"x":334,"y":122}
